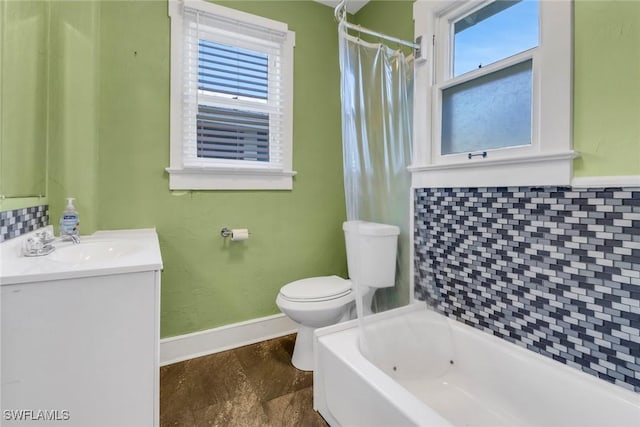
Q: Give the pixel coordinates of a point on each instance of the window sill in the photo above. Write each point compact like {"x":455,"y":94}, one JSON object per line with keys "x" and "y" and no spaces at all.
{"x":540,"y":169}
{"x":229,"y":179}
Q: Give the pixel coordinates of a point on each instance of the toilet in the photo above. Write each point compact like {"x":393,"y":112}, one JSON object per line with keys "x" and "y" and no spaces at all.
{"x":322,"y":301}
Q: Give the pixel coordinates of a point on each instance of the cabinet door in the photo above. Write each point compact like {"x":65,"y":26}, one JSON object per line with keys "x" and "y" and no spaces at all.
{"x":85,"y":346}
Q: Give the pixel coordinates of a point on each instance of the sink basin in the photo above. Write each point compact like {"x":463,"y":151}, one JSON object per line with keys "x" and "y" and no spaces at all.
{"x":102,"y":253}
{"x":94,"y":251}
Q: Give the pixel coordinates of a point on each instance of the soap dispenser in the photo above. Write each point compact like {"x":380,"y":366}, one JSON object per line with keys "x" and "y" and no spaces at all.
{"x":70,"y":221}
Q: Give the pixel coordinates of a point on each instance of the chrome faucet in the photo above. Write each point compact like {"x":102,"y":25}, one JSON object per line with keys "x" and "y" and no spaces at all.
{"x":45,"y":237}
{"x":39,"y":244}
{"x":74,"y":238}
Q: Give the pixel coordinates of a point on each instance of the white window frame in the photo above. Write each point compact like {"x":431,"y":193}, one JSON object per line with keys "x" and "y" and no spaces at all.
{"x":217,"y":175}
{"x":549,"y":158}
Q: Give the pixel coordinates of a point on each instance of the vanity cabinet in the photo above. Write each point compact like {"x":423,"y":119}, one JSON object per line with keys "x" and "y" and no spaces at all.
{"x":83,"y":351}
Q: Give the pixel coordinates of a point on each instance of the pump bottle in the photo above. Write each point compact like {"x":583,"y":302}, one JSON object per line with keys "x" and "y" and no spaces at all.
{"x":69,"y":220}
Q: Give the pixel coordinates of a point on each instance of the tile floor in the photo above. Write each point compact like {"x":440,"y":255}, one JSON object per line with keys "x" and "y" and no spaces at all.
{"x":249,"y":386}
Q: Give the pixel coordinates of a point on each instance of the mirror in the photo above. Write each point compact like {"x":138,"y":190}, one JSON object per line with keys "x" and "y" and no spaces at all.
{"x":24,"y":39}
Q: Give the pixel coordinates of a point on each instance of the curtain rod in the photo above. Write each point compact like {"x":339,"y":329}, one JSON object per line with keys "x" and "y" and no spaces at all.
{"x":365,"y":30}
{"x":340,"y":13}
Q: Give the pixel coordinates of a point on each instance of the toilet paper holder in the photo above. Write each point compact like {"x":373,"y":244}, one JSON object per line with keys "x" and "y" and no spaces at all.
{"x":228,"y":232}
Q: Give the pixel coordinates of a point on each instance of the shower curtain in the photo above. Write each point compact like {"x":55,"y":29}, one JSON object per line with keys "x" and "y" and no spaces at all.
{"x":377,"y":108}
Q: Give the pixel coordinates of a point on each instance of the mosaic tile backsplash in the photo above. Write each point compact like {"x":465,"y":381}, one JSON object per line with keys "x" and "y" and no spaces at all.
{"x":555,"y":270}
{"x":20,"y":221}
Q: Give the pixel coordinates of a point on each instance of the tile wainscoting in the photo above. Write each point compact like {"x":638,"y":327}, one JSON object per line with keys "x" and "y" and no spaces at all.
{"x":552,"y":269}
{"x":20,"y":221}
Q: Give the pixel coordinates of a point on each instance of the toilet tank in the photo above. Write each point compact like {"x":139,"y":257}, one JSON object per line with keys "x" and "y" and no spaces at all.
{"x":371,"y":253}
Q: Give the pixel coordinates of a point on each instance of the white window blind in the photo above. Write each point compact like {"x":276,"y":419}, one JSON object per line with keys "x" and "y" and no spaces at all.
{"x":234,"y":94}
{"x":232,"y":134}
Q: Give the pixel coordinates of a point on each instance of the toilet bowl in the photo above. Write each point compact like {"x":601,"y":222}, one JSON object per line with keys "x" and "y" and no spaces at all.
{"x":322,"y":301}
{"x":314,"y":303}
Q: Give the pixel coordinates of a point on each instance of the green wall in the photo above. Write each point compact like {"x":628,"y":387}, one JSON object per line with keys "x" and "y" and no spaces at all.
{"x":113,"y":160}
{"x":74,"y":75}
{"x":394,"y":18}
{"x":607,"y":88}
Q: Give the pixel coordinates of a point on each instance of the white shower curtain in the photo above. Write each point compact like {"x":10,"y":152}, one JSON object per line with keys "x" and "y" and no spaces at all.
{"x":377,"y":110}
{"x":377,"y":106}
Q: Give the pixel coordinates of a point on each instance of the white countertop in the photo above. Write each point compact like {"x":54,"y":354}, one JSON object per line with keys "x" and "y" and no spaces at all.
{"x":141,"y":252}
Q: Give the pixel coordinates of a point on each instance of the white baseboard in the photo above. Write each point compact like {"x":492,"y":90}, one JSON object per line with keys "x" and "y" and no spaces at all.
{"x":184,"y":347}
{"x":606,"y":181}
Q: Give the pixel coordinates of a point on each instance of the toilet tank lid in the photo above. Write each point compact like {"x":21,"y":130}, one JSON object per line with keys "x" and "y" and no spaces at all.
{"x":315,"y":288}
{"x":370,"y":228}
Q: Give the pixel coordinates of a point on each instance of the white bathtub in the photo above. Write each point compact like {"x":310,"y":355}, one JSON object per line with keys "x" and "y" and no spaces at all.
{"x":491,"y":382}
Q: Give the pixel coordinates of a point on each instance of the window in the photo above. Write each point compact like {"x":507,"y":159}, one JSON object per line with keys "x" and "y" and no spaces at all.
{"x":494,"y":32}
{"x":489,"y":112}
{"x":496,"y":93}
{"x":231,"y":99}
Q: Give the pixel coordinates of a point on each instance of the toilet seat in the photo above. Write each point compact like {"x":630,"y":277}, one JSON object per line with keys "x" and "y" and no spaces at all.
{"x":316,"y":289}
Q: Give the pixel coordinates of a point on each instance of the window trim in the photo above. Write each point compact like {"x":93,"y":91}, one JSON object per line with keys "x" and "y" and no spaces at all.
{"x":549,"y":159}
{"x":225,"y":176}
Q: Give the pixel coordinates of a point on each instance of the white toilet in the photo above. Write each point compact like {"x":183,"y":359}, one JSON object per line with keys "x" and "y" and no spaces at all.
{"x":322,"y":301}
